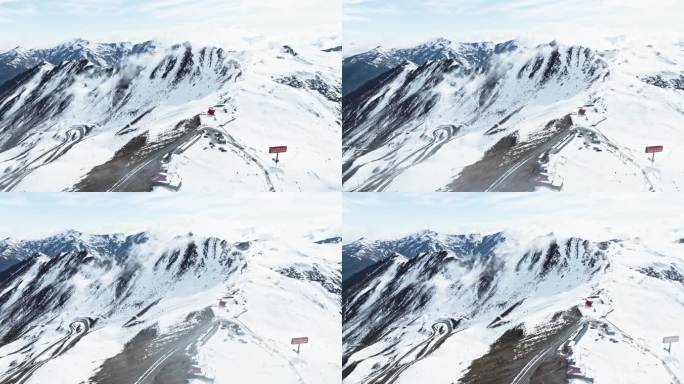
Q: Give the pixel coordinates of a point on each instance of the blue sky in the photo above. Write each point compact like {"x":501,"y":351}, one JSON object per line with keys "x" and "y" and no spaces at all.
{"x":397,"y":23}
{"x":33,"y":215}
{"x":391,"y":215}
{"x":40,"y":23}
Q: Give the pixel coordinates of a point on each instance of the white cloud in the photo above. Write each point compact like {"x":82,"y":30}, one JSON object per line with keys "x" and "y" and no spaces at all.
{"x":587,"y":22}
{"x":223,"y":215}
{"x":11,"y":9}
{"x":13,"y":200}
{"x":207,"y":22}
{"x":368,"y":10}
{"x":594,"y":216}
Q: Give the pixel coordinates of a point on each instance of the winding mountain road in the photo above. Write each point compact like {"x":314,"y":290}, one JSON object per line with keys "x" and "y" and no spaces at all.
{"x":525,"y":374}
{"x":441,"y":331}
{"x":71,"y":137}
{"x":146,"y":170}
{"x":177,"y":349}
{"x":22,"y":372}
{"x":520,"y":175}
{"x":143,"y":172}
{"x":379,"y":181}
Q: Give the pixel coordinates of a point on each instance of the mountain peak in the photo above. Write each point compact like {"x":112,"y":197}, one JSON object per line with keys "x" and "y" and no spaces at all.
{"x":440,"y":41}
{"x":79,"y":42}
{"x":69,"y":233}
{"x":426,"y":233}
{"x":379,"y":50}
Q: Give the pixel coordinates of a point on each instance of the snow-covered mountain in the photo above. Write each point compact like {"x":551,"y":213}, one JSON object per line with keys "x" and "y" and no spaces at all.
{"x":124,"y":117}
{"x":362,"y":253}
{"x":104,"y":55}
{"x":360,"y":68}
{"x":117,"y":246}
{"x":546,"y":308}
{"x":517,"y":117}
{"x":154,"y":308}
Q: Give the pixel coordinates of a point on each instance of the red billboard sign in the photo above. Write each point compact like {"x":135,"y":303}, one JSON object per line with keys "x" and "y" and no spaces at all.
{"x":654,"y":149}
{"x":299,"y":340}
{"x":279,"y":149}
{"x":671,"y":339}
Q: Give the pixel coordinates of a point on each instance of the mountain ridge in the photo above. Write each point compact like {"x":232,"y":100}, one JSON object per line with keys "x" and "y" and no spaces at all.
{"x":17,"y":60}
{"x":358,"y":69}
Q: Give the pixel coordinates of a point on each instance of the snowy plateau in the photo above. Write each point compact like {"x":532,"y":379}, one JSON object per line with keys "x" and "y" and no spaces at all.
{"x":514,"y":116}
{"x":85,"y":116}
{"x":514,"y":308}
{"x":153,"y":308}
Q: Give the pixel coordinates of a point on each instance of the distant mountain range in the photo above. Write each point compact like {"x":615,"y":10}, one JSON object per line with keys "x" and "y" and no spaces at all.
{"x":360,"y":68}
{"x":362,"y":253}
{"x":115,"y":245}
{"x":104,"y":55}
